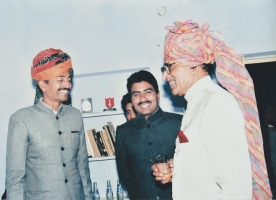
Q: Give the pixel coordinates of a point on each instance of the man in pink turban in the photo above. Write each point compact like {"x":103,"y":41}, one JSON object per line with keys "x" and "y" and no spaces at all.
{"x":219,"y":149}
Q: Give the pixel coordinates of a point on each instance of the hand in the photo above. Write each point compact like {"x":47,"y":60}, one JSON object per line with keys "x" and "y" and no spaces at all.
{"x":171,"y":165}
{"x":159,"y":175}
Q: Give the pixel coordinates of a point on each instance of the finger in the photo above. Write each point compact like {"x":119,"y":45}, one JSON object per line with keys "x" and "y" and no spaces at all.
{"x":170,"y":161}
{"x":171,"y":165}
{"x":166,"y":181}
{"x":159,"y":178}
{"x":154,"y":168}
{"x":162,"y":179}
{"x":158,"y":174}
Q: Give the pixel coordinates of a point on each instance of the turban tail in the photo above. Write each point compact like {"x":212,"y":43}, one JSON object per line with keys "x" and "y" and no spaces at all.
{"x":49,"y":64}
{"x":189,"y":45}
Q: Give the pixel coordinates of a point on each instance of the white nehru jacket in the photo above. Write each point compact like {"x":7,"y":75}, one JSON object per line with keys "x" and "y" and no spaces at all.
{"x":215,"y":163}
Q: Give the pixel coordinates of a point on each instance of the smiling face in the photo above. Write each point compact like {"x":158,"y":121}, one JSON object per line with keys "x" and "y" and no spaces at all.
{"x":144,"y":98}
{"x":56,"y":90}
{"x":180,"y":78}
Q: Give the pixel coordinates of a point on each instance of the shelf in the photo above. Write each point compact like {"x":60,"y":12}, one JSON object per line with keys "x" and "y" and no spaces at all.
{"x":101,"y":158}
{"x":102,"y":73}
{"x":262,"y":57}
{"x":105,"y":113}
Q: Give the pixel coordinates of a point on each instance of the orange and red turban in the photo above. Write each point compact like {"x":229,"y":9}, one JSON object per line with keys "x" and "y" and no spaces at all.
{"x":50,"y":63}
{"x":188,"y":44}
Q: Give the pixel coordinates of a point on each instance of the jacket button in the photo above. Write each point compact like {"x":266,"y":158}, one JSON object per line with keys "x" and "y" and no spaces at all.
{"x":60,"y":132}
{"x":66,"y":181}
{"x":57,"y":117}
{"x":148,"y":125}
{"x":64,"y":165}
{"x":62,"y":148}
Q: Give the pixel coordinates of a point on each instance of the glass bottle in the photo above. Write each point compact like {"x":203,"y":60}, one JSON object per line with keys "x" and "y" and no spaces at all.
{"x":96,"y":194}
{"x":109,"y":193}
{"x":120,"y":192}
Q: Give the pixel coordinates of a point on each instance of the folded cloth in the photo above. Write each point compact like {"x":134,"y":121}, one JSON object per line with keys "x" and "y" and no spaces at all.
{"x":182,"y":137}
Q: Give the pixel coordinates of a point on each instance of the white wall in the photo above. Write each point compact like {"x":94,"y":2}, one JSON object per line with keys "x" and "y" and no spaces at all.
{"x":104,"y":35}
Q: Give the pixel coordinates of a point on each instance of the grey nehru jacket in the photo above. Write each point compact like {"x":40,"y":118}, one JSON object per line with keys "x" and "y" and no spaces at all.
{"x":47,"y":155}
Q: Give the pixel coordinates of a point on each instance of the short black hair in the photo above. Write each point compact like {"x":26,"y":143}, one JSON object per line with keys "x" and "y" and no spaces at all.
{"x":208,"y":67}
{"x":125,"y":100}
{"x":140,"y":76}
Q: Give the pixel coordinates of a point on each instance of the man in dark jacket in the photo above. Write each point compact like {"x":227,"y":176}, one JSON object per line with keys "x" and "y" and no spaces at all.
{"x":127,"y":107}
{"x":151,"y":133}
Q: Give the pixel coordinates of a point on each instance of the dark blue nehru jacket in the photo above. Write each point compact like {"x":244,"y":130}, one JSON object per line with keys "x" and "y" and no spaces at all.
{"x":138,"y":141}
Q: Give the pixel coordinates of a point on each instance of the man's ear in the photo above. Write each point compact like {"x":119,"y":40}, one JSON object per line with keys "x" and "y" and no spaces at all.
{"x":196,"y":69}
{"x":42,"y":85}
{"x":158,"y":96}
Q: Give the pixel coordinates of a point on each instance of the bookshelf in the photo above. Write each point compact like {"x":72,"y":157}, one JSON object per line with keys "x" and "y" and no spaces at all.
{"x":103,"y":168}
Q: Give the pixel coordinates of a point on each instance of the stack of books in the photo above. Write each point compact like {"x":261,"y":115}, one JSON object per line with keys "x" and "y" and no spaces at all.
{"x":101,"y":143}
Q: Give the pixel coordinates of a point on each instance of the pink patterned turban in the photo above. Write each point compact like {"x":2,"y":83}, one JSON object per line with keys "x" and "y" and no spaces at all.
{"x":187,"y":44}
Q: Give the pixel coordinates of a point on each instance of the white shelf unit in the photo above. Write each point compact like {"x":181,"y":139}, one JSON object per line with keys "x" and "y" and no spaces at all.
{"x":101,"y":158}
{"x":261,"y":57}
{"x":105,"y":113}
{"x":98,"y":86}
{"x":103,"y":168}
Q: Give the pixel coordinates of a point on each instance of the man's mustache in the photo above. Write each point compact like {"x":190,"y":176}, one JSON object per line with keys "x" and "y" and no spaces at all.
{"x":68,"y":89}
{"x":143,"y":102}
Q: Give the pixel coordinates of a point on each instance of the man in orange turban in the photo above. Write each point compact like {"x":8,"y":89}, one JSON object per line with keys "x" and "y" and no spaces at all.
{"x":46,"y":150}
{"x":49,"y":64}
{"x":219,"y":149}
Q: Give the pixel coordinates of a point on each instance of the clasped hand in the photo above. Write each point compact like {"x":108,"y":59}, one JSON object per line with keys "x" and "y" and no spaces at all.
{"x":163,"y":176}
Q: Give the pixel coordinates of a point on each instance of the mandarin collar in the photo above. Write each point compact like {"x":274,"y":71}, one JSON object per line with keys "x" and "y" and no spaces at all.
{"x":156,"y":115}
{"x":42,"y":106}
{"x":197,"y":88}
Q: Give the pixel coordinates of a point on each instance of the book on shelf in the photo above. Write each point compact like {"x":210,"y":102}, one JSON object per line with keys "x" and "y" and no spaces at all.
{"x":88,"y":146}
{"x":94,"y":134}
{"x":93,"y":144}
{"x":106,"y":142}
{"x":111,"y":145}
{"x":97,"y":141}
{"x":112,"y":130}
{"x":100,"y":144}
{"x":110,"y":138}
{"x":110,"y":134}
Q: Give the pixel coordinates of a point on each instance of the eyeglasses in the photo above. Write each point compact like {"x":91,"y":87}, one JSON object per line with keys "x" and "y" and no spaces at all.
{"x":166,"y":68}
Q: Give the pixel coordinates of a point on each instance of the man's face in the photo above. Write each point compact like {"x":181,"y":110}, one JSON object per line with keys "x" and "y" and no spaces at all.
{"x":180,"y":78}
{"x":144,"y":98}
{"x":130,"y":114}
{"x":57,"y":90}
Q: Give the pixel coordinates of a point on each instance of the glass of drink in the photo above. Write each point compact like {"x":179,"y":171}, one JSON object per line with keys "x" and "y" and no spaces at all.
{"x":161,"y":162}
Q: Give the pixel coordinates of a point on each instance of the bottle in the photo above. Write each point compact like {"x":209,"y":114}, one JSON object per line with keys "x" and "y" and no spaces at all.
{"x":120,"y":192}
{"x":96,"y":194}
{"x":109,"y":193}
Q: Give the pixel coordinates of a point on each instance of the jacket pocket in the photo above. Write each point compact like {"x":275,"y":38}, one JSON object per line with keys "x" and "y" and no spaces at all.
{"x":75,"y":140}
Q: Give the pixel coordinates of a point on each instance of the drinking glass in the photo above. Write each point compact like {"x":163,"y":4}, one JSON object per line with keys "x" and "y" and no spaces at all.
{"x":161,"y":162}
